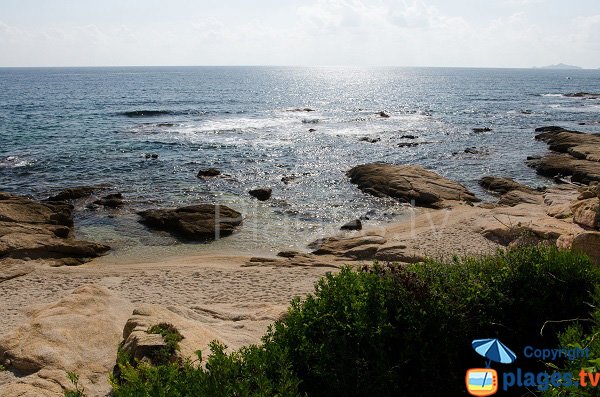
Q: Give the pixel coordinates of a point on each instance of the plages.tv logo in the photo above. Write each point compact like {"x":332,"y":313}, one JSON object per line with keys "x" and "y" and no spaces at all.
{"x":484,"y":381}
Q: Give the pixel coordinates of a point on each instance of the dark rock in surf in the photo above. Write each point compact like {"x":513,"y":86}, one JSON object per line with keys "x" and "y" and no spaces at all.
{"x":114,"y":200}
{"x":369,"y":140}
{"x":209,"y":172}
{"x":261,"y":194}
{"x":74,"y":193}
{"x":352,"y":225}
{"x":408,"y":137}
{"x":383,"y":114}
{"x":484,"y":129}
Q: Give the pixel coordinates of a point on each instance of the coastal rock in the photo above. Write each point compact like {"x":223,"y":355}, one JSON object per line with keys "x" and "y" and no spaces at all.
{"x":196,"y":335}
{"x":502,"y":185}
{"x":408,"y":183}
{"x":209,"y":172}
{"x":201,"y":222}
{"x":114,"y":200}
{"x":74,"y":193}
{"x":352,"y":225}
{"x":369,"y":140}
{"x":587,"y":212}
{"x":589,"y":244}
{"x":34,"y":230}
{"x":261,"y":194}
{"x":484,"y":129}
{"x":557,"y":164}
{"x":288,"y":178}
{"x":78,"y":333}
{"x":408,"y":144}
{"x":361,"y":247}
{"x":383,"y":114}
{"x":408,"y":137}
{"x":586,"y":95}
{"x":515,"y":197}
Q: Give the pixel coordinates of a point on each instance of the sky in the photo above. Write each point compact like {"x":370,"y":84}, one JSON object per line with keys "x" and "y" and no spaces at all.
{"x":469,"y":33}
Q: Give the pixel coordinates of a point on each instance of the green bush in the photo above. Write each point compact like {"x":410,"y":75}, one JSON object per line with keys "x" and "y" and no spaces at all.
{"x":388,"y":330}
{"x":576,"y":337}
{"x":251,"y":371}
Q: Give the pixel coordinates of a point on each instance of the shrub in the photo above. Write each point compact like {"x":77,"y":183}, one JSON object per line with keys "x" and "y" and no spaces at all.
{"x":251,"y":371}
{"x":406,"y":331}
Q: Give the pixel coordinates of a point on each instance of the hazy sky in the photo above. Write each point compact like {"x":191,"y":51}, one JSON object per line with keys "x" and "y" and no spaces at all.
{"x":503,"y":33}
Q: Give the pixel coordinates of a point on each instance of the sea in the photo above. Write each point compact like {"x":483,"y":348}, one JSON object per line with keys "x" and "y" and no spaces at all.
{"x":65,"y":127}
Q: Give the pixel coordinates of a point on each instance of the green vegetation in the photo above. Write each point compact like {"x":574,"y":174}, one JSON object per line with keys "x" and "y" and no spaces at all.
{"x":78,"y":389}
{"x":172,"y":337}
{"x":391,"y":331}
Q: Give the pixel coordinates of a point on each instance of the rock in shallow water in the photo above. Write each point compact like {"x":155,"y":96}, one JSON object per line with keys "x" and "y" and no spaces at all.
{"x":262,"y":193}
{"x":352,"y":225}
{"x":408,"y":183}
{"x":203,"y":222}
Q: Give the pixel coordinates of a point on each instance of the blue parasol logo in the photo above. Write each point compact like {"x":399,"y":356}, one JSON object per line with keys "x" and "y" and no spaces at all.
{"x":494,"y":350}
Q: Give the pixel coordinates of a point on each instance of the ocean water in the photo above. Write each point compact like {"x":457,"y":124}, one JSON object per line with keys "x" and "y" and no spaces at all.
{"x":62,"y":127}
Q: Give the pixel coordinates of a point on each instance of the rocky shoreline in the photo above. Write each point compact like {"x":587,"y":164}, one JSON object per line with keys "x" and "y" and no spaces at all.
{"x":205,"y":298}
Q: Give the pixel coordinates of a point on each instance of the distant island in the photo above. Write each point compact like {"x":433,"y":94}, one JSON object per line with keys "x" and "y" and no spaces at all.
{"x":559,"y":66}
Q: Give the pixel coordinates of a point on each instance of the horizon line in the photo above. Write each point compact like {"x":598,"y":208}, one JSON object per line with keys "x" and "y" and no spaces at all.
{"x":547,"y":67}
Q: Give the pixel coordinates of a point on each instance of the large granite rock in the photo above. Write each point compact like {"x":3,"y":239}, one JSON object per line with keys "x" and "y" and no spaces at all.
{"x":408,"y":183}
{"x":589,"y":244}
{"x":33,"y":230}
{"x":201,"y":222}
{"x":513,"y":192}
{"x":587,"y":212}
{"x":78,"y":333}
{"x":578,"y":155}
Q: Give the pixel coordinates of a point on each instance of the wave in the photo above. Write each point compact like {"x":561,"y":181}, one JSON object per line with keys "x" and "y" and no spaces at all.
{"x":15,"y":162}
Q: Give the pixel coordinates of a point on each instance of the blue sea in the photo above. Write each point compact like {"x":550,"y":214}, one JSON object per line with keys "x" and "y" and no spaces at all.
{"x":63,"y":127}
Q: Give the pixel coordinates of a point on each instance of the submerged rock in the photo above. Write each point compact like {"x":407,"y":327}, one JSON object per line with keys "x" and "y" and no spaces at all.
{"x":262,"y":193}
{"x":484,"y":129}
{"x":201,"y":222}
{"x":383,"y":114}
{"x":114,"y":200}
{"x":408,"y":183}
{"x":209,"y":172}
{"x":369,"y":140}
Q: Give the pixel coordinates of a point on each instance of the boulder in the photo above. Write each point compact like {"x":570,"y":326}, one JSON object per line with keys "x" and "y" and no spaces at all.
{"x":201,"y":222}
{"x":587,"y":212}
{"x":589,"y":244}
{"x":261,"y":194}
{"x":361,"y":247}
{"x":383,"y":114}
{"x":502,"y":185}
{"x":352,"y":225}
{"x":408,"y":183}
{"x":35,"y":230}
{"x":78,"y":333}
{"x":209,"y":172}
{"x":516,"y":197}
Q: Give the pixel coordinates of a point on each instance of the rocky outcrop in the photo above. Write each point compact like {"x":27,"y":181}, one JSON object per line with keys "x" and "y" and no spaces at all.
{"x":577,"y":155}
{"x":33,"y":230}
{"x":78,"y":333}
{"x":513,"y":193}
{"x":75,"y":193}
{"x":502,"y":185}
{"x":587,"y":212}
{"x":261,"y":194}
{"x":408,"y":183}
{"x":361,"y":247}
{"x":201,"y":222}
